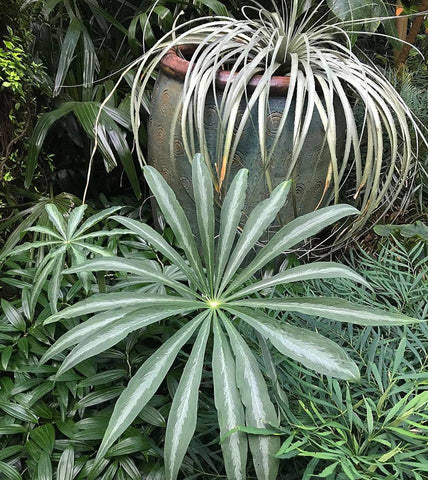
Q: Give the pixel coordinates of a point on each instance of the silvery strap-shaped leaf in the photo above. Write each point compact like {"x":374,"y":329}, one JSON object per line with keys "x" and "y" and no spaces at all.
{"x":106,"y":301}
{"x":152,"y":237}
{"x":84,"y":330}
{"x":144,"y":383}
{"x":230,"y":217}
{"x":290,"y":235}
{"x":258,"y":221}
{"x":311,"y":349}
{"x":204,"y":201}
{"x":331,"y":308}
{"x":182,"y":416}
{"x":229,"y":407}
{"x":94,"y":219}
{"x":175,"y":217}
{"x":74,"y":219}
{"x":109,"y":335}
{"x":138,"y":267}
{"x":57,"y":219}
{"x":55,"y":282}
{"x":301,"y":273}
{"x":260,"y":411}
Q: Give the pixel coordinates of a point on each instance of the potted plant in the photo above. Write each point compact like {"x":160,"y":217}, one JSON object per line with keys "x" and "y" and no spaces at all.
{"x":273,"y":92}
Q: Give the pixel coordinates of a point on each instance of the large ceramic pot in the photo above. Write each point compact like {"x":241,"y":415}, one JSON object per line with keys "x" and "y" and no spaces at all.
{"x":311,"y":170}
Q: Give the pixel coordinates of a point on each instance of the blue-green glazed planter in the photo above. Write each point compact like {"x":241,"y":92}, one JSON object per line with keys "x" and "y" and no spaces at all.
{"x":166,"y":151}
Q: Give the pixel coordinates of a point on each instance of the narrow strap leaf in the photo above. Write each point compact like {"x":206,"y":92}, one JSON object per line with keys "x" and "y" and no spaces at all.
{"x":55,"y":283}
{"x":105,"y":301}
{"x":312,"y":271}
{"x":204,"y":200}
{"x":260,"y":411}
{"x":85,"y":330}
{"x":144,"y":383}
{"x":152,"y":237}
{"x":94,"y":219}
{"x":142,"y":268}
{"x":109,"y":335}
{"x":290,"y":235}
{"x":182,"y":416}
{"x":229,"y":407}
{"x":310,"y":348}
{"x":175,"y":217}
{"x":230,"y":216}
{"x":57,"y":219}
{"x":74,"y":219}
{"x":259,"y":219}
{"x":331,"y":308}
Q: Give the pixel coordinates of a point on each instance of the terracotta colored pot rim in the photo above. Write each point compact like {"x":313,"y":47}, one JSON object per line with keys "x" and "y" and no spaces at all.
{"x":176,"y":67}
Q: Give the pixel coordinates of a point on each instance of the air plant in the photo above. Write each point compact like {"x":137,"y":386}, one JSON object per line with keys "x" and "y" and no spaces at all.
{"x":316,"y":54}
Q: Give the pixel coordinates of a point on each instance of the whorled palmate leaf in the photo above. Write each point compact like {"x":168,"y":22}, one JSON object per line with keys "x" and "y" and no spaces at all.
{"x":69,"y":241}
{"x":315,"y":53}
{"x":215,"y":299}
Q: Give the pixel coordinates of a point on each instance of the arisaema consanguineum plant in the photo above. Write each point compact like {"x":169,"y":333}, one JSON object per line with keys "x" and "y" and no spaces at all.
{"x":66,"y":241}
{"x":216,"y":298}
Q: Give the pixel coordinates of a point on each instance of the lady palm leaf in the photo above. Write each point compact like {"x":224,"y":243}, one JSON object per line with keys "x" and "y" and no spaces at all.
{"x":216,"y":298}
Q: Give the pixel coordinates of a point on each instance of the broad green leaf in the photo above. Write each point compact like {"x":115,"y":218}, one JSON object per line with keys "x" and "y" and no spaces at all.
{"x":57,"y":219}
{"x":106,"y":301}
{"x":144,"y":383}
{"x":99,"y":396}
{"x":310,"y":348}
{"x":5,"y":356}
{"x":291,"y":234}
{"x":103,"y":378}
{"x":118,"y":139}
{"x":13,"y":316}
{"x":182,"y":416}
{"x":175,"y":217}
{"x":74,"y":219}
{"x":229,"y":407}
{"x":230,"y":217}
{"x":40,"y":131}
{"x":129,"y":445}
{"x":260,"y":411}
{"x":258,"y":220}
{"x":331,"y":308}
{"x":8,"y":472}
{"x":138,"y":267}
{"x":18,"y":411}
{"x":44,"y":467}
{"x":108,"y":335}
{"x":350,"y":9}
{"x":311,"y":271}
{"x":216,"y":7}
{"x":66,"y":464}
{"x":151,"y":236}
{"x":44,"y":437}
{"x":204,"y":200}
{"x":67,"y":52}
